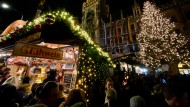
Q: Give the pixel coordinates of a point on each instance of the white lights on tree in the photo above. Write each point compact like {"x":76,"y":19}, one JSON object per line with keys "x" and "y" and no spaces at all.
{"x":158,"y":40}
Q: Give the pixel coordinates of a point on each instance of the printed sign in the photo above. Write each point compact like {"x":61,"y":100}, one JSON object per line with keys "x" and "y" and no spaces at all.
{"x":31,"y":50}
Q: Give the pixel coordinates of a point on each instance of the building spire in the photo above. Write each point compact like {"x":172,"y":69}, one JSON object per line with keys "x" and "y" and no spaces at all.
{"x":110,"y":18}
{"x":121,"y":14}
{"x":135,"y":3}
{"x":40,"y":8}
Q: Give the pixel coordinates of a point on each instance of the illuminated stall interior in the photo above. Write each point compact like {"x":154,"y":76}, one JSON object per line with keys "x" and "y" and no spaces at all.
{"x":36,"y":68}
{"x":53,"y":35}
{"x":183,"y":68}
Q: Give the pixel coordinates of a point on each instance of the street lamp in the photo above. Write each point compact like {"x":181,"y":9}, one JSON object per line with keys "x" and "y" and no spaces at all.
{"x":6,"y":6}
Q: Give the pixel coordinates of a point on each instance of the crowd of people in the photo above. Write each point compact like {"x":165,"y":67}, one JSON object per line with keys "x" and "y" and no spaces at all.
{"x":139,"y":91}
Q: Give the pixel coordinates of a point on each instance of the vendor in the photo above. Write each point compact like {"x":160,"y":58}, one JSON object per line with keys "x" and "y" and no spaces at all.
{"x":2,"y":68}
{"x":5,"y":74}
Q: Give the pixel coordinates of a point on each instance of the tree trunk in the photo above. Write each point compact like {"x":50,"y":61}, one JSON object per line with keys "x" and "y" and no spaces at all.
{"x":174,"y":70}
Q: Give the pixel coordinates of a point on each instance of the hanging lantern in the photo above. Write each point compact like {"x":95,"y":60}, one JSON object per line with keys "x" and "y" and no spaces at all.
{"x":49,"y":19}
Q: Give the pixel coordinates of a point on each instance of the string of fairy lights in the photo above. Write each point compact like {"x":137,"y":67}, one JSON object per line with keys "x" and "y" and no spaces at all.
{"x":158,"y":39}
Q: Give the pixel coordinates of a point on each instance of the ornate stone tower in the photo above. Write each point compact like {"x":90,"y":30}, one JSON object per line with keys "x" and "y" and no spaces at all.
{"x":136,"y":10}
{"x":40,"y":8}
{"x":94,"y":12}
{"x":136,"y":14}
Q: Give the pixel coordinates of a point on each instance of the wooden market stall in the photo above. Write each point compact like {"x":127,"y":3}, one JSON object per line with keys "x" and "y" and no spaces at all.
{"x":51,"y":37}
{"x":58,"y":31}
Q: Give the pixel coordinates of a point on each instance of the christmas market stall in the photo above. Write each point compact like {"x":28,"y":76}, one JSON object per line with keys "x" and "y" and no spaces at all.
{"x":82,"y":60}
{"x":36,"y":60}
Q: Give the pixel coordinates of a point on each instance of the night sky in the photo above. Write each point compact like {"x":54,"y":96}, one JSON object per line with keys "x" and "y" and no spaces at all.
{"x":28,"y":8}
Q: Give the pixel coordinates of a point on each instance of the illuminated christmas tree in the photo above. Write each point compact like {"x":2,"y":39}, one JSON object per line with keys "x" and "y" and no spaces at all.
{"x":158,"y":39}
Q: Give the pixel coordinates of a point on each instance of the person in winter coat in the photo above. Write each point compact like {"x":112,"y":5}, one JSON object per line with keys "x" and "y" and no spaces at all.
{"x":75,"y":98}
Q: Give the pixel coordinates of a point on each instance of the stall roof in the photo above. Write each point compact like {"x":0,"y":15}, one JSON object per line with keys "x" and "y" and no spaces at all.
{"x":57,"y":33}
{"x":130,"y":59}
{"x":59,"y":26}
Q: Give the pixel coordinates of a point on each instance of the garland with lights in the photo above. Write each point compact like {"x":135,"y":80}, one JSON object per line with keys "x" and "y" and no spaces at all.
{"x":50,"y":17}
{"x":158,"y":40}
{"x":93,"y":61}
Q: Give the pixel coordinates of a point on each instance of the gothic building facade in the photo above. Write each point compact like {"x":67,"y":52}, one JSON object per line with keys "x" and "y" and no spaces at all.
{"x":119,"y":37}
{"x":179,"y":13}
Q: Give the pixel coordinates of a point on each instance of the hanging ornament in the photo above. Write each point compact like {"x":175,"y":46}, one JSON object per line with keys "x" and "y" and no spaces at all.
{"x":8,"y":35}
{"x":12,"y":34}
{"x":21,"y":30}
{"x":49,"y":19}
{"x":38,"y":27}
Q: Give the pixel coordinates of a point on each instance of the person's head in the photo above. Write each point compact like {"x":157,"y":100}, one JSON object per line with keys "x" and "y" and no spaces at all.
{"x":49,"y":93}
{"x":7,"y":93}
{"x":109,"y":83}
{"x":137,"y":101}
{"x":2,"y":68}
{"x":75,"y":96}
{"x":52,"y":73}
{"x":111,"y":94}
{"x":51,"y":76}
{"x":6,"y":72}
{"x":26,"y":80}
{"x":176,"y":94}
